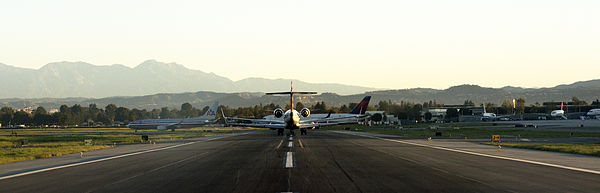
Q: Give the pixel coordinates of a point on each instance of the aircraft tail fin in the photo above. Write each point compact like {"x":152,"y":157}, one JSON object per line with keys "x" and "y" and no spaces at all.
{"x":484,"y":112}
{"x":561,"y":106}
{"x":361,"y":107}
{"x":212,"y":110}
{"x":291,"y":93}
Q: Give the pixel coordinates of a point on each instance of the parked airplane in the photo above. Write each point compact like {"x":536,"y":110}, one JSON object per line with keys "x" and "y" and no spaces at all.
{"x":291,"y":118}
{"x":359,"y":109}
{"x":487,"y":116}
{"x":594,"y":113}
{"x":558,"y":113}
{"x":163,"y":124}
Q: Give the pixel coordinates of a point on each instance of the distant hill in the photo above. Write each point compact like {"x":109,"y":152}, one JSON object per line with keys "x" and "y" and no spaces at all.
{"x":80,"y":79}
{"x":477,"y":94}
{"x":452,"y":95}
{"x":82,"y":83}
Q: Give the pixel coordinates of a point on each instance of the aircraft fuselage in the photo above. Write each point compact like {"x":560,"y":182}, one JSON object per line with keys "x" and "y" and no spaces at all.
{"x":292,"y":119}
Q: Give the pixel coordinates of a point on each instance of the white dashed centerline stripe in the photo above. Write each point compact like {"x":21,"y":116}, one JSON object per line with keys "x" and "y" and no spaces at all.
{"x":289,"y":161}
{"x":482,"y":154}
{"x":291,"y":138}
{"x":290,"y":144}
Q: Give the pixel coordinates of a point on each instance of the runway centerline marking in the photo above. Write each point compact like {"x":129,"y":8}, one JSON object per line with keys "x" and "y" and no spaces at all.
{"x":109,"y":158}
{"x":289,"y":161}
{"x":290,"y":144}
{"x":482,"y":154}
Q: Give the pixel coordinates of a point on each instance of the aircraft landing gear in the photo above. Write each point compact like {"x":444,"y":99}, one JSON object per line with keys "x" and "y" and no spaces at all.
{"x":303,"y":131}
{"x":279,"y":132}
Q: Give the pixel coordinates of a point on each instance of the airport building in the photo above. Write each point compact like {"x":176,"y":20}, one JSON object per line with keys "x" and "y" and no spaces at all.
{"x":386,"y":119}
{"x":437,"y":114}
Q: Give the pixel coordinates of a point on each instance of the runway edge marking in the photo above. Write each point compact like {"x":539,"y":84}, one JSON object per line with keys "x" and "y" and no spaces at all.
{"x":108,"y":158}
{"x":481,"y":154}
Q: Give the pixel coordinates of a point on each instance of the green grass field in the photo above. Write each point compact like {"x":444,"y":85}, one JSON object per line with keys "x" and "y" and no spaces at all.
{"x":583,"y":149}
{"x":458,"y":132}
{"x":65,"y":130}
{"x":109,"y":130}
{"x":454,"y":131}
{"x":28,"y":147}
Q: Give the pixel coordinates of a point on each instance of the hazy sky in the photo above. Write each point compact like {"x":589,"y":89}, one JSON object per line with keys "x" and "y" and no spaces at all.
{"x":384,"y":44}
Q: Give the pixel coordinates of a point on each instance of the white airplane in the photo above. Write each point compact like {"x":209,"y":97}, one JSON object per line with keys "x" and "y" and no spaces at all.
{"x":558,"y":113}
{"x":352,"y":117}
{"x":594,"y":113}
{"x":487,"y":116}
{"x":163,"y":124}
{"x":291,"y":118}
{"x":358,"y":110}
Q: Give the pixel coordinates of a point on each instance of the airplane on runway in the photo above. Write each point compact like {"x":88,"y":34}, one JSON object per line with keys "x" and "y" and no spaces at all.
{"x":357,"y":112}
{"x":163,"y":124}
{"x":594,"y":113}
{"x":487,"y":116}
{"x":558,"y":113}
{"x":291,"y":117}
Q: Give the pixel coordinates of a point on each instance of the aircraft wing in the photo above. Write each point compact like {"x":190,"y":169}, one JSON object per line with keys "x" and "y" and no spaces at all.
{"x":282,"y":125}
{"x":260,"y":125}
{"x":338,"y":120}
{"x":313,"y":125}
{"x":169,"y":126}
{"x":256,"y":121}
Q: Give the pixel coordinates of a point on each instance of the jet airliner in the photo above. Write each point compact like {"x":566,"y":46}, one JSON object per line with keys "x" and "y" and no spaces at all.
{"x":163,"y":124}
{"x":291,"y":117}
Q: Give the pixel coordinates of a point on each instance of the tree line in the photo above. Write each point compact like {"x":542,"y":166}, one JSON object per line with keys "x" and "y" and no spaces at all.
{"x":94,"y":116}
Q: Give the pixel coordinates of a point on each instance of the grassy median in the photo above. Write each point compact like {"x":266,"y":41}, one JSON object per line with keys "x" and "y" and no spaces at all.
{"x":481,"y":133}
{"x":26,"y":146}
{"x":486,"y":133}
{"x":583,"y":149}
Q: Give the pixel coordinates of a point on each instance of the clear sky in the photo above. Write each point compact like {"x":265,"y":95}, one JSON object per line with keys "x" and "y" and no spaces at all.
{"x":384,"y":44}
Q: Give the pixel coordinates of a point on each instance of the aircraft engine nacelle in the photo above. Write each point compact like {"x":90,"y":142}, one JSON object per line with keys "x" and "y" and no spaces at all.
{"x":305,"y":112}
{"x":278,"y":113}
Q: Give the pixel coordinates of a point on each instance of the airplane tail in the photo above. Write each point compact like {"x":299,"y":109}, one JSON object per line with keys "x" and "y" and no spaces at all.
{"x":361,"y":107}
{"x":561,"y":106}
{"x":291,"y":93}
{"x":484,"y":112}
{"x":212,"y":110}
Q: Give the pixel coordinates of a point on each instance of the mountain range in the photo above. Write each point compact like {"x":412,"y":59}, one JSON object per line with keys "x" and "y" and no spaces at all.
{"x":81,"y":83}
{"x":80,"y":79}
{"x":453,"y":95}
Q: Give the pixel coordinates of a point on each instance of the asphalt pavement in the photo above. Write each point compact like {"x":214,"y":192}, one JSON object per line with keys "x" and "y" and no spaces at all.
{"x":322,"y":161}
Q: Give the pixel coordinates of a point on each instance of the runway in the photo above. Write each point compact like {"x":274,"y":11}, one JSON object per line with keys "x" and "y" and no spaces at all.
{"x":322,"y":161}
